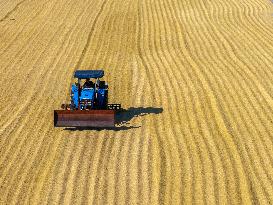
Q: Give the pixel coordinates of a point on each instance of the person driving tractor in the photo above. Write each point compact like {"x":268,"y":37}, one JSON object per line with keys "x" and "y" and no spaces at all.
{"x":88,"y":83}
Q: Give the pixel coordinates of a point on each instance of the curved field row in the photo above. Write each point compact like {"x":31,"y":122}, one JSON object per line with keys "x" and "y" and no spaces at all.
{"x":206,"y":64}
{"x":9,"y":7}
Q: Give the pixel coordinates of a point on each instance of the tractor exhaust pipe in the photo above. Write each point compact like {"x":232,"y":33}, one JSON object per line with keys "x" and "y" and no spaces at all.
{"x":84,"y":118}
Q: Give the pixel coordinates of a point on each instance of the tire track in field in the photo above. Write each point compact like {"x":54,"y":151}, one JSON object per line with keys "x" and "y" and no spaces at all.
{"x":40,"y":109}
{"x":229,"y":123}
{"x":37,"y":61}
{"x":171,"y":81}
{"x":166,"y":167}
{"x":228,"y":138}
{"x":254,"y":42}
{"x":143,"y":173}
{"x":108,"y":181}
{"x":111,"y":145}
{"x":67,"y":187}
{"x":31,"y":86}
{"x":40,"y":57}
{"x":5,"y":7}
{"x":89,"y":172}
{"x":132,"y":182}
{"x":237,"y":33}
{"x":82,"y":174}
{"x":95,"y":191}
{"x":78,"y":64}
{"x":23,"y":140}
{"x":155,"y":95}
{"x":173,"y":86}
{"x":202,"y":134}
{"x":162,"y":199}
{"x":101,"y":192}
{"x":97,"y":166}
{"x":59,"y":52}
{"x":159,"y":60}
{"x":101,"y":184}
{"x":250,"y":33}
{"x":59,"y":170}
{"x":87,"y":44}
{"x":19,"y":31}
{"x":202,"y":131}
{"x":17,"y":6}
{"x":121,"y":186}
{"x":254,"y":107}
{"x":254,"y":22}
{"x":70,"y":51}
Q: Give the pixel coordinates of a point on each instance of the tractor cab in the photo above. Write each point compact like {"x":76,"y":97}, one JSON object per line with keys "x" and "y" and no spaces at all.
{"x":92,"y":94}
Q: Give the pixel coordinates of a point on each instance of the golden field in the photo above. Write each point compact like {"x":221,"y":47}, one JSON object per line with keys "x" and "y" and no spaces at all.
{"x":195,"y":75}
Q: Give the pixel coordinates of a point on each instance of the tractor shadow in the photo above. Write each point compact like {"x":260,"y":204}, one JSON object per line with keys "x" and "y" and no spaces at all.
{"x":127,"y":115}
{"x":123,"y":117}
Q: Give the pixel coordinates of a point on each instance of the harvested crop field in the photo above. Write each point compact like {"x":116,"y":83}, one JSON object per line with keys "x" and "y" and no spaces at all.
{"x":196,"y":77}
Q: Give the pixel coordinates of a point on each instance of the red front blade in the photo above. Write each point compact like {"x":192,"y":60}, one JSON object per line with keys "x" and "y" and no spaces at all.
{"x":84,"y":118}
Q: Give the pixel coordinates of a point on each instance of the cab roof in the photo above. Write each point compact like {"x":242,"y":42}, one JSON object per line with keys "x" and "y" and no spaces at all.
{"x":83,"y":74}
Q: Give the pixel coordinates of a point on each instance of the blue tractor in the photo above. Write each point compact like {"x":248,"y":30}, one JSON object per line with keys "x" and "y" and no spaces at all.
{"x":89,"y":103}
